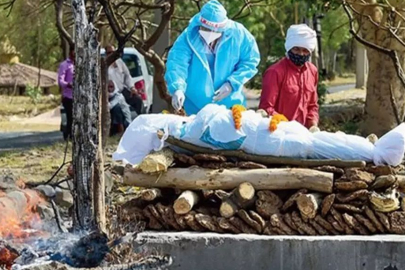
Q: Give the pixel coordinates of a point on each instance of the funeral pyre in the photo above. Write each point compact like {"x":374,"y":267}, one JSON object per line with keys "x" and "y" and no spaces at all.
{"x":33,"y":234}
{"x":217,"y":193}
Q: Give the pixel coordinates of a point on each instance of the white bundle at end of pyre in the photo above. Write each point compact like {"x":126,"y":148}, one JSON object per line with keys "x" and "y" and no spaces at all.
{"x":235,"y":171}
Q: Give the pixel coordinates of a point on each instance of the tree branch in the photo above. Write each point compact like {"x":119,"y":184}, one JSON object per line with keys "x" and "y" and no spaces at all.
{"x":59,"y":24}
{"x":167,"y":12}
{"x":394,"y":106}
{"x":391,"y":53}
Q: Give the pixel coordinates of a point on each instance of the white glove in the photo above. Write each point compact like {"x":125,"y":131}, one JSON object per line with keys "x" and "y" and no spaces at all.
{"x":314,"y":129}
{"x":178,"y":100}
{"x":223,"y":92}
{"x":262,"y":112}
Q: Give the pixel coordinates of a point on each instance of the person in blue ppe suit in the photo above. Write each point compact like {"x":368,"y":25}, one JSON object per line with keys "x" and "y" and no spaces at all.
{"x":211,"y":61}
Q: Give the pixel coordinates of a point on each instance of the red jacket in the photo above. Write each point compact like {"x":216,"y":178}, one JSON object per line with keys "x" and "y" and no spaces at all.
{"x":292,"y":91}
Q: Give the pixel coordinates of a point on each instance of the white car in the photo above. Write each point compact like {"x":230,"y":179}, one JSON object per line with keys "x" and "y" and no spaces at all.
{"x":141,"y":73}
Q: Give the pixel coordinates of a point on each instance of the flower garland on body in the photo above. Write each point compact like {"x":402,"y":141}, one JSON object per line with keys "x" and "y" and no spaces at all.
{"x":275,"y":120}
{"x":237,"y":115}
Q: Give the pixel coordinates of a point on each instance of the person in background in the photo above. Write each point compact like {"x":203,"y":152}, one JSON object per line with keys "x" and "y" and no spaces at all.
{"x":66,"y":74}
{"x":290,"y":86}
{"x":119,"y":109}
{"x":119,"y":73}
{"x":211,"y":61}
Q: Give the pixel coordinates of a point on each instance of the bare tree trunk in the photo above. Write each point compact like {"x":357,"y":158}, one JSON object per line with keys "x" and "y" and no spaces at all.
{"x":87,"y":151}
{"x":384,"y":107}
{"x":105,"y":112}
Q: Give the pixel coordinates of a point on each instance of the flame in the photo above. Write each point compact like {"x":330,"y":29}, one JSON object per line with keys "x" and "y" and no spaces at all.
{"x":19,"y":214}
{"x":7,"y":257}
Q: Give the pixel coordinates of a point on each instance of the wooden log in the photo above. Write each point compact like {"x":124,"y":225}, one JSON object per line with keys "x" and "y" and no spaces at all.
{"x":248,"y":220}
{"x":327,"y":204}
{"x":228,"y":208}
{"x":308,"y":205}
{"x":345,"y":198}
{"x":293,"y":198}
{"x":241,"y":197}
{"x":151,"y":194}
{"x":267,"y":160}
{"x":370,"y":214}
{"x":276,"y":220}
{"x":350,"y":185}
{"x":384,"y":182}
{"x":198,"y":178}
{"x":268,"y":203}
{"x":331,"y":169}
{"x":157,"y":162}
{"x":185,"y":202}
{"x":224,"y":224}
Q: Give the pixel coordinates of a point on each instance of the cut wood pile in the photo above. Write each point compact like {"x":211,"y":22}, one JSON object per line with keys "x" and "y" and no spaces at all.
{"x":216,"y":193}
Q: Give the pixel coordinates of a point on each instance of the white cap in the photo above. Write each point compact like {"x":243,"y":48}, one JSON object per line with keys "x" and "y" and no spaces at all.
{"x":300,"y":35}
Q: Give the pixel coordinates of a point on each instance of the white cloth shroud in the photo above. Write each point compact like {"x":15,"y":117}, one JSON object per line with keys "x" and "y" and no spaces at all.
{"x":213,"y":127}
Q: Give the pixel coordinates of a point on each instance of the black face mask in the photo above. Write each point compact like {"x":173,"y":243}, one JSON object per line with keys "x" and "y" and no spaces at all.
{"x":297,"y":59}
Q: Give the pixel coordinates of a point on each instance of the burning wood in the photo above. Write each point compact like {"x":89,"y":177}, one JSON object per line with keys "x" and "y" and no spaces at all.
{"x":18,"y":212}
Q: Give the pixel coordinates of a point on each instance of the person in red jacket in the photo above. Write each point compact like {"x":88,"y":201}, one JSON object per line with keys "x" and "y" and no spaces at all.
{"x":290,"y":86}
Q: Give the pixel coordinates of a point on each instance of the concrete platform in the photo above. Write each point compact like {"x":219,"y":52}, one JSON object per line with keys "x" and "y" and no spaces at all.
{"x":210,"y":251}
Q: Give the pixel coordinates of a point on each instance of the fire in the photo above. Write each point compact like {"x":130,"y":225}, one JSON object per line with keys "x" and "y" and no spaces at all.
{"x":18,"y":213}
{"x":7,"y":257}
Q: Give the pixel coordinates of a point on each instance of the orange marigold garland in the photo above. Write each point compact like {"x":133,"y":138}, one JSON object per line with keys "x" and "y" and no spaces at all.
{"x":237,"y":115}
{"x":275,"y":120}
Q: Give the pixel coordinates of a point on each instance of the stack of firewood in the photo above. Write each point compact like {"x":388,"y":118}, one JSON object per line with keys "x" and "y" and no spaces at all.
{"x":211,"y":192}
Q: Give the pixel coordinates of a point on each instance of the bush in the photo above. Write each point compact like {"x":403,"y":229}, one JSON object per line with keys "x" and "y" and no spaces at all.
{"x":35,"y":93}
{"x":322,"y":91}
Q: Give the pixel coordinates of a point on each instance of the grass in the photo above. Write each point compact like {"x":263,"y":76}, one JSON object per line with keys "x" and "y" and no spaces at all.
{"x":39,"y":163}
{"x":344,"y":79}
{"x":7,"y":126}
{"x":346,"y":96}
{"x":23,"y":106}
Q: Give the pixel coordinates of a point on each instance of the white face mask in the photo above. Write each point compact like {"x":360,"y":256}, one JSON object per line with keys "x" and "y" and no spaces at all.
{"x":209,"y":37}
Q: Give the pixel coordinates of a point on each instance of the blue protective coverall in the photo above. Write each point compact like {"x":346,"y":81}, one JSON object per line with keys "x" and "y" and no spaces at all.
{"x":192,"y":70}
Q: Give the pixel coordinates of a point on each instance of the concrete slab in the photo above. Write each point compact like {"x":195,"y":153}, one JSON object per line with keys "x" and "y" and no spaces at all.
{"x":210,"y":251}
